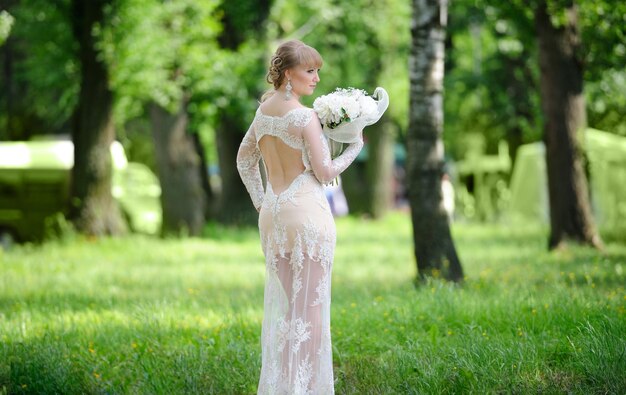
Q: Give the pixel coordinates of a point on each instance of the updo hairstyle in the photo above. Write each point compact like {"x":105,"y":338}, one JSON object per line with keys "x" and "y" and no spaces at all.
{"x":288,"y":55}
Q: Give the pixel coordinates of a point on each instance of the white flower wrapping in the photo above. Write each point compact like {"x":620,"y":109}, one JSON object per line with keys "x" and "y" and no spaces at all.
{"x":345,"y":112}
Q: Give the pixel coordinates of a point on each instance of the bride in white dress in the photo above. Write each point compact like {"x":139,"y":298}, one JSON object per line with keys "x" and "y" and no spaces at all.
{"x":296,"y":225}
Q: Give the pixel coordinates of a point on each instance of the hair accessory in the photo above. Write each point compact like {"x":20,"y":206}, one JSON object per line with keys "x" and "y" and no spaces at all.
{"x":288,"y":89}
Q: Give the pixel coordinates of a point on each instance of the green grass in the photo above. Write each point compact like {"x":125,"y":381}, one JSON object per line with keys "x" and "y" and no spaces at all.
{"x":141,"y":315}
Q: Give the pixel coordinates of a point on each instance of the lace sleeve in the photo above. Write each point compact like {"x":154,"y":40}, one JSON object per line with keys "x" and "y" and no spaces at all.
{"x":248,"y":166}
{"x":318,"y":153}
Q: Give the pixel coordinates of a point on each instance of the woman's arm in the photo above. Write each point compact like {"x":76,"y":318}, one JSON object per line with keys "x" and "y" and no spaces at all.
{"x":248,"y":166}
{"x":325,"y":168}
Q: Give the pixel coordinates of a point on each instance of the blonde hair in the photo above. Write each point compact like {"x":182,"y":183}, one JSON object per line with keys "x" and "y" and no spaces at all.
{"x":288,"y":55}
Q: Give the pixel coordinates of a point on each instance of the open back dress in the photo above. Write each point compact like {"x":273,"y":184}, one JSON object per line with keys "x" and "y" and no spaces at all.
{"x":298,"y":237}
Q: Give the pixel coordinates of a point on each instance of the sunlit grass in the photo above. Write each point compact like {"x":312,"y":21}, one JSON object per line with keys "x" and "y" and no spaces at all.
{"x":141,"y":315}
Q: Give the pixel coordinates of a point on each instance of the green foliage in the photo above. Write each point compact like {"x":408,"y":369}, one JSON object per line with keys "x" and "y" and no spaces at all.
{"x":6,"y":22}
{"x":606,"y":100}
{"x":142,"y":315}
{"x":46,"y":70}
{"x":491,"y":78}
{"x":215,"y":54}
{"x":492,"y":71}
{"x":604,"y":43}
{"x":158,"y":51}
{"x":239,"y":79}
{"x":603,"y":36}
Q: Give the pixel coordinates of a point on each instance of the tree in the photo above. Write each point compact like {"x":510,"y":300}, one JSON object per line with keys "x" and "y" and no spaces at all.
{"x":163,"y":54}
{"x":379,"y":168}
{"x":93,"y":209}
{"x":241,"y":69}
{"x":434,"y":248}
{"x":183,"y":197}
{"x":492,"y":71}
{"x":491,"y":76}
{"x":563,"y":104}
{"x":180,"y":166}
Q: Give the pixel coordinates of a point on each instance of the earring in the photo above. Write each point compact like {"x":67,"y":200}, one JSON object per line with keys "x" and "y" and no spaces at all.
{"x":288,"y":89}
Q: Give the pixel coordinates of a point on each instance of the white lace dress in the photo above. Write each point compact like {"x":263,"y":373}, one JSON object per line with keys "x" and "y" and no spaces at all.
{"x":298,"y":237}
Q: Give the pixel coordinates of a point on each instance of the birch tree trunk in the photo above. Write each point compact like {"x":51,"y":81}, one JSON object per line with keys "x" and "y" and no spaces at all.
{"x":93,"y":209}
{"x":563,"y":104}
{"x":434,"y":248}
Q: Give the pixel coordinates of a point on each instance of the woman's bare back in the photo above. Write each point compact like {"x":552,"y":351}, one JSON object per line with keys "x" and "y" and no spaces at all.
{"x":283,"y":163}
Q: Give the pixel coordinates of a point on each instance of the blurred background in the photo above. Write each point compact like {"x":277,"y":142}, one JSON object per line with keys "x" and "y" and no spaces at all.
{"x":121,"y":116}
{"x":175,"y":84}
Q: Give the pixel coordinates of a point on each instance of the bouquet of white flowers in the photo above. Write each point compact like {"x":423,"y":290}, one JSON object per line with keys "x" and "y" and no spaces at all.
{"x":345,"y":112}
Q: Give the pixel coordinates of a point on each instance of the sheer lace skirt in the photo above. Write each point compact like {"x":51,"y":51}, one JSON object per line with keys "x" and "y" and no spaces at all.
{"x":298,"y":237}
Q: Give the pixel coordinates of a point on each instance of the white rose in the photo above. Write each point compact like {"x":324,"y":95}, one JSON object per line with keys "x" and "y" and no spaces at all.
{"x":323,"y":110}
{"x":369,"y":108}
{"x":351,"y":107}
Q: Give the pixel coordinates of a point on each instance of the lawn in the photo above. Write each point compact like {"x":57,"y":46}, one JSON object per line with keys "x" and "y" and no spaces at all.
{"x":149,"y":316}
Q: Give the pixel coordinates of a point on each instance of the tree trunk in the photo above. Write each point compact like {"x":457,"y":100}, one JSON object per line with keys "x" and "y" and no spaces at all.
{"x":563,"y":104}
{"x":354,"y":186}
{"x":517,"y":92}
{"x":434,"y":248}
{"x":367,"y":185}
{"x":234,"y":206}
{"x":182,"y":196}
{"x":93,"y":209}
{"x":209,"y":210}
{"x":379,"y":168}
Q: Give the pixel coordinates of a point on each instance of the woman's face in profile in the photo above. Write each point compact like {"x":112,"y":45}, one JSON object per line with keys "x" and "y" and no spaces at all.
{"x":304,"y":79}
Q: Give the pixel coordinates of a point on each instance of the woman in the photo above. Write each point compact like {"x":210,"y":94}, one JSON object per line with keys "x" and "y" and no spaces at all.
{"x":295,"y":223}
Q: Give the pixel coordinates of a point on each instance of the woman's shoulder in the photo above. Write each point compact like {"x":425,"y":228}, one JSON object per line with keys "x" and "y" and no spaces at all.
{"x":299,"y":115}
{"x":278,"y":109}
{"x":302,"y":116}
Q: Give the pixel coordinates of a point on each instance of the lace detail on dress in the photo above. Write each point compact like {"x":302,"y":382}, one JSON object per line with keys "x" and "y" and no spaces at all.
{"x":297,"y":260}
{"x":278,"y":126}
{"x":298,"y":243}
{"x":248,"y":159}
{"x":325,"y":168}
{"x":302,"y":117}
{"x":303,"y":378}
